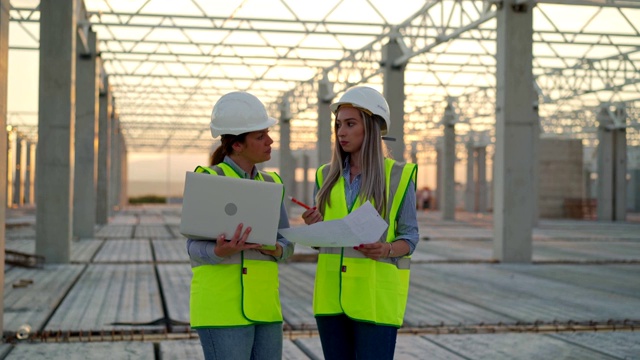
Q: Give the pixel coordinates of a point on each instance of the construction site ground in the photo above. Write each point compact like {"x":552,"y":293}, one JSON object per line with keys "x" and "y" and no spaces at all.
{"x":125,"y":294}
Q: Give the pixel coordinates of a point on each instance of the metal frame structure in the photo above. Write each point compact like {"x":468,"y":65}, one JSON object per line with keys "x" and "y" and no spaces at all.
{"x":167,"y":69}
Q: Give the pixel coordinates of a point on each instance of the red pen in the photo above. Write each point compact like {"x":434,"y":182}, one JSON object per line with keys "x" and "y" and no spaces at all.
{"x":296,"y":201}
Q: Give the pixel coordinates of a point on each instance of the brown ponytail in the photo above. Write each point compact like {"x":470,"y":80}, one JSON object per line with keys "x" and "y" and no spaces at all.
{"x":226,"y":147}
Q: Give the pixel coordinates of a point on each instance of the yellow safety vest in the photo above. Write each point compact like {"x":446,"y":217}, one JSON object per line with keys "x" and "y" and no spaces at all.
{"x":242,"y":289}
{"x":346,"y":281}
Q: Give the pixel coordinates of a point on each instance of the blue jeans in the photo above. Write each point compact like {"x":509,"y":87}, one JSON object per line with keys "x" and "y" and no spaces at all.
{"x":255,"y":342}
{"x":344,"y":338}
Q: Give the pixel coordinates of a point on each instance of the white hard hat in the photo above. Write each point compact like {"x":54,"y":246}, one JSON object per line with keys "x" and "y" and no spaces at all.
{"x":366,"y":98}
{"x":239,"y":112}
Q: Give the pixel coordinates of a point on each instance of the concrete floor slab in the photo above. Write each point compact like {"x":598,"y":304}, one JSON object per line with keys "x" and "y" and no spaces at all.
{"x":114,"y":231}
{"x":108,"y":297}
{"x":125,"y":251}
{"x":156,"y":231}
{"x":617,"y":279}
{"x":524,"y":297}
{"x":83,"y":351}
{"x":175,"y":280}
{"x":82,"y":251}
{"x":296,"y":296}
{"x":620,"y":344}
{"x":514,"y":346}
{"x":174,"y":250}
{"x":31,"y":295}
{"x":583,"y":271}
{"x":181,"y":350}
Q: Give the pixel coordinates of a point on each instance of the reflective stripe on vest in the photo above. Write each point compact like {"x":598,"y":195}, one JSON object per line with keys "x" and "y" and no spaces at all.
{"x":243,"y":288}
{"x":348,"y":282}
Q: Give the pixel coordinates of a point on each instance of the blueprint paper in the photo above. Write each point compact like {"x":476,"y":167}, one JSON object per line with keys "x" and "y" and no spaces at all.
{"x":363,"y":226}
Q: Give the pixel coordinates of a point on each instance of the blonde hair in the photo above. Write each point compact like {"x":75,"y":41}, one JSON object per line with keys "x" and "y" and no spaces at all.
{"x":373,"y":152}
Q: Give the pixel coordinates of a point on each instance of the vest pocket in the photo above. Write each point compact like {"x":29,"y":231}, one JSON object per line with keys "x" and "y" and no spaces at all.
{"x":260,"y":296}
{"x":216,"y":287}
{"x":370,"y":291}
{"x":326,"y":292}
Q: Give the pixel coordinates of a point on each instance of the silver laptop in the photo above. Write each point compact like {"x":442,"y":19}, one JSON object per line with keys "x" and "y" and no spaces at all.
{"x":217,"y":204}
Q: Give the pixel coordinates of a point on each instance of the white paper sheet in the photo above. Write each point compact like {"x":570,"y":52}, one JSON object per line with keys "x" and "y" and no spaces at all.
{"x":363,"y":226}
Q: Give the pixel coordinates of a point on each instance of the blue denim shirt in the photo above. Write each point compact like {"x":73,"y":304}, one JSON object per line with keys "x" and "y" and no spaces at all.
{"x":407,"y":228}
{"x":201,"y":251}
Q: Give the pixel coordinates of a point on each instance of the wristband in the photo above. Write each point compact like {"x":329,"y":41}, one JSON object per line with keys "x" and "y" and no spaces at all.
{"x":390,"y":254}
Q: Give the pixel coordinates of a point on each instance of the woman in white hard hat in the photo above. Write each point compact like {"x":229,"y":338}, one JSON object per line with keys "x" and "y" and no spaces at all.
{"x":360,"y":293}
{"x":238,"y":316}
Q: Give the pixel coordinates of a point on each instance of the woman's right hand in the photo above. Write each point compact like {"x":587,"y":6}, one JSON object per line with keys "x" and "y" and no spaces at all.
{"x":312,"y":216}
{"x":238,"y":243}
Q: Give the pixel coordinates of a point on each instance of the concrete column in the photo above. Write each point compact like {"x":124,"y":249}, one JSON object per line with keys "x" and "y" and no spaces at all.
{"x":325,"y":97}
{"x":620,"y":140}
{"x":117,"y":199}
{"x":120,"y":154}
{"x":287,"y":164}
{"x":535,"y":158}
{"x":605,"y":165}
{"x":5,"y":5}
{"x":439,"y":166}
{"x":86,"y":171}
{"x":515,"y":126}
{"x":414,"y":153}
{"x":306,"y":186}
{"x":104,"y":162}
{"x":124,"y":191}
{"x":123,"y":163}
{"x":114,"y":150}
{"x":12,"y":148}
{"x":635,"y":189}
{"x":21,"y":170}
{"x":56,"y":125}
{"x":294,"y":181}
{"x":470,"y":189}
{"x":586,"y":182}
{"x":448,"y":203}
{"x":492,"y":185}
{"x":612,"y":164}
{"x":393,"y":91}
{"x":481,"y":161}
{"x":30,"y":178}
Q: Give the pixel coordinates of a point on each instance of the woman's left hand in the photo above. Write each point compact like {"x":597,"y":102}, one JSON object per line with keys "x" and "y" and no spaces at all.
{"x":374,"y":251}
{"x":277,"y":253}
